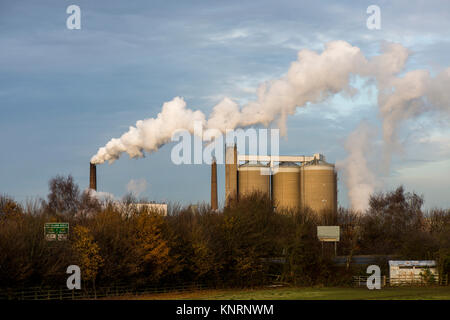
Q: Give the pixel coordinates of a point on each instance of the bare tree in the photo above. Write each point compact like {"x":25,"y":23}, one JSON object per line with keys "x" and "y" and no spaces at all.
{"x":64,"y":196}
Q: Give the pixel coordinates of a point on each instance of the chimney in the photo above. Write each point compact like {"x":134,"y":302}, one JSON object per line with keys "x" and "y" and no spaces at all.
{"x":93,"y":177}
{"x":214,"y":205}
{"x":231,"y":174}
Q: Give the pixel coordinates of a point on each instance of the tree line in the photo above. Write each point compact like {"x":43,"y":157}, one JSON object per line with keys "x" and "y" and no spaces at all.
{"x":245,"y":244}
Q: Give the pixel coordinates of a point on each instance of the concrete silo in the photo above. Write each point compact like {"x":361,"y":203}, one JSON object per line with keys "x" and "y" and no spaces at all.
{"x":251,"y":180}
{"x":297,"y":182}
{"x":286,"y":186}
{"x":318,"y":186}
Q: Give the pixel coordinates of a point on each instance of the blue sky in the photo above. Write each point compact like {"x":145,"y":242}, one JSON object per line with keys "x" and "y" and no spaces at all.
{"x":65,"y":93}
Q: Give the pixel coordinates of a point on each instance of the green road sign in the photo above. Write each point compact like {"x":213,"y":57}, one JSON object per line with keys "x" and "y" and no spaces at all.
{"x":56,"y":231}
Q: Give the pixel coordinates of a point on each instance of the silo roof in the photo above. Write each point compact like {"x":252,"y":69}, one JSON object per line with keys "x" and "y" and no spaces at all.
{"x":288,"y":164}
{"x":411,"y":263}
{"x":248,"y":164}
{"x":319,"y":163}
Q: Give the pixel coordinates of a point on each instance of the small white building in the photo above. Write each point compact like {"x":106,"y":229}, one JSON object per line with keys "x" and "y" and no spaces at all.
{"x":160,"y":208}
{"x":409,"y":271}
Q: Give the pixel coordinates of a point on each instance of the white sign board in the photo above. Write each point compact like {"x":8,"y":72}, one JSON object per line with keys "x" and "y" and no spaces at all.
{"x":328,"y":233}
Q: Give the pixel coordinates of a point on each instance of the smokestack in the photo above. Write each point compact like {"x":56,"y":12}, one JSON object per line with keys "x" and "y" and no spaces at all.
{"x":214,"y":205}
{"x":231,"y":183}
{"x":93,"y":177}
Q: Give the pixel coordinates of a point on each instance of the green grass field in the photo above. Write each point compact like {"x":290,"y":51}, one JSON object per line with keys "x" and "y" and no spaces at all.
{"x":402,"y":293}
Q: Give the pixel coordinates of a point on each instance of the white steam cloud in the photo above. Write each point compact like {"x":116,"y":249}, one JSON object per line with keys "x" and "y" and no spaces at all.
{"x":100,"y":195}
{"x":136,"y":187}
{"x":358,"y":175}
{"x":407,"y":97}
{"x":312,"y":78}
{"x":150,"y":134}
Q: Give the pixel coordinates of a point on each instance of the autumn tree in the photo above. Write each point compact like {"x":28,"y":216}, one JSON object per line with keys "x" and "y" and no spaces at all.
{"x":14,"y":265}
{"x":87,"y":253}
{"x":149,"y":248}
{"x":9,"y":207}
{"x":251,"y":231}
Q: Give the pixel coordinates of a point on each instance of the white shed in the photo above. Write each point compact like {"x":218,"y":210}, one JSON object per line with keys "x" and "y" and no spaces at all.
{"x":409,"y":271}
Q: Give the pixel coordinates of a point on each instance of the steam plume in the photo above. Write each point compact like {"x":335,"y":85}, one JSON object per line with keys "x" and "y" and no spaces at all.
{"x":136,"y":187}
{"x":358,"y":175}
{"x":312,"y":78}
{"x":407,"y":97}
{"x":150,"y":134}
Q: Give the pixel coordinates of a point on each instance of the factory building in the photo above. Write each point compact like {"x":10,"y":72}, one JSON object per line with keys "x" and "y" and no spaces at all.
{"x":290,"y":181}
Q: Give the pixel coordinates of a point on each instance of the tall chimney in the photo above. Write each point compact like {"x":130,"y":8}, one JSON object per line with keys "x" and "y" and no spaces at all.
{"x":93,"y":177}
{"x":231,"y":174}
{"x":214,"y":205}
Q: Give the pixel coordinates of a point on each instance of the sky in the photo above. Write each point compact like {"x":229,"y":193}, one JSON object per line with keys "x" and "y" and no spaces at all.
{"x":65,"y":93}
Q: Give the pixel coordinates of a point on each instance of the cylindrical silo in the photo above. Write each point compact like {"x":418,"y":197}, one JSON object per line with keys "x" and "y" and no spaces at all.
{"x":251,"y":180}
{"x":318,"y":186}
{"x":286,"y":186}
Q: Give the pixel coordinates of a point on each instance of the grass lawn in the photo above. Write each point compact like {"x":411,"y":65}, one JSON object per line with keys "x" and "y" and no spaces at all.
{"x":404,"y":293}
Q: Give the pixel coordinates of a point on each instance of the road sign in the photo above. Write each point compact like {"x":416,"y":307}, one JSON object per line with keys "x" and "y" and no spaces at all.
{"x":56,"y":231}
{"x":328,"y":233}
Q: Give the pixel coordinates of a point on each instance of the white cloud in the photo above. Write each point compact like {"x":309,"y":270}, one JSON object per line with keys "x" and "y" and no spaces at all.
{"x":230,"y":35}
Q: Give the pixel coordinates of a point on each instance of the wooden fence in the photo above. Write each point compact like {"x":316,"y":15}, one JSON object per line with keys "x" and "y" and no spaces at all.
{"x":37,"y":293}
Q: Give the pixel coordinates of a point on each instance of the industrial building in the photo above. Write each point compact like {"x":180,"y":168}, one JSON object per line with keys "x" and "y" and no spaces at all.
{"x":290,"y":181}
{"x":410,"y":271}
{"x":159,"y":208}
